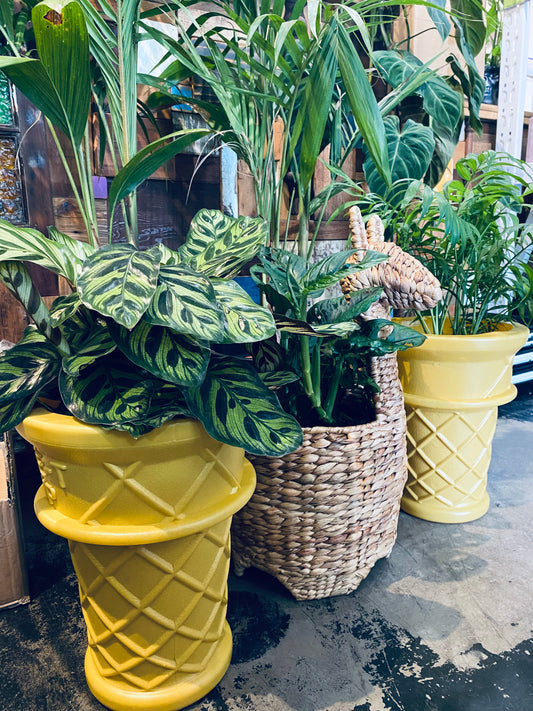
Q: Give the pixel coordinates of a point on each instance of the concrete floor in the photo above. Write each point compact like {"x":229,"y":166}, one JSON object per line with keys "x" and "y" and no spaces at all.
{"x":444,"y":624}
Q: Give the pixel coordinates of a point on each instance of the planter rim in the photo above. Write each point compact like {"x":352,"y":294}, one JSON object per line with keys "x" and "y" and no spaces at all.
{"x":142,"y":534}
{"x":505,"y":329}
{"x":44,"y":426}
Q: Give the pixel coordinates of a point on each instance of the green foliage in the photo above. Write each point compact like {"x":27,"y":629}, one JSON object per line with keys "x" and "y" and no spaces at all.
{"x":322,"y":342}
{"x":135,"y":343}
{"x":473,"y":237}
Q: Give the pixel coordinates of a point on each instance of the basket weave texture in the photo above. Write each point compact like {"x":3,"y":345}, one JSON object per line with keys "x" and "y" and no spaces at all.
{"x":322,"y":516}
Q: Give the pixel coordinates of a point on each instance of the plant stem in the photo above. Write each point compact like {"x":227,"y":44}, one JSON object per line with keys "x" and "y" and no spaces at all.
{"x":334,"y":389}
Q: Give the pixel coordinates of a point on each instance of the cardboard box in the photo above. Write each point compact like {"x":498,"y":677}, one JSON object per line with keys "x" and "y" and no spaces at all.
{"x":13,"y":578}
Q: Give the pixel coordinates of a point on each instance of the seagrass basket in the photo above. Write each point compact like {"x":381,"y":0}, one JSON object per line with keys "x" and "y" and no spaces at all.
{"x":322,"y":516}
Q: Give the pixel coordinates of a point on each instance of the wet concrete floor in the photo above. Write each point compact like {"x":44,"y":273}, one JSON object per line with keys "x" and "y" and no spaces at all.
{"x":444,"y":624}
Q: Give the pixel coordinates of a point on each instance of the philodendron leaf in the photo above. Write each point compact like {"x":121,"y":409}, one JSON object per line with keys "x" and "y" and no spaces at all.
{"x":337,"y":309}
{"x":410,"y":152}
{"x":98,"y":343}
{"x":236,"y":407}
{"x":119,"y":281}
{"x":24,"y":244}
{"x":174,"y":357}
{"x":111,"y":391}
{"x":28,"y":366}
{"x":246,"y":321}
{"x":12,"y":413}
{"x":185,"y":302}
{"x":330,"y":270}
{"x":219,"y":246}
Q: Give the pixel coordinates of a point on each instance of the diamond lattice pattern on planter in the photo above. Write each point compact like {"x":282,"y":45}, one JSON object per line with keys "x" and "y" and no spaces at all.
{"x":130,"y":596}
{"x":448,"y":454}
{"x":135,"y":487}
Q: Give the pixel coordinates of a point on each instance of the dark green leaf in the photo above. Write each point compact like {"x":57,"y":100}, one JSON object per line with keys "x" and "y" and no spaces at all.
{"x":337,"y":309}
{"x":12,"y":413}
{"x":330,"y":270}
{"x":276,"y":379}
{"x":236,"y":407}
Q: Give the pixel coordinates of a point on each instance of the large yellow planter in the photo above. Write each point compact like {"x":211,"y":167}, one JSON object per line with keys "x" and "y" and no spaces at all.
{"x":452,"y":388}
{"x":148,"y":524}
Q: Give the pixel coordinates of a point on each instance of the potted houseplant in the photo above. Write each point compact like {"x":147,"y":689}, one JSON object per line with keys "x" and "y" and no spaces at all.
{"x":470,"y":236}
{"x":138,"y":418}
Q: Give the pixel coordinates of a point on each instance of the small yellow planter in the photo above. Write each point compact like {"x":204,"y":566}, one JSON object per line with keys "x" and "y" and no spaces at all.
{"x":452,"y":388}
{"x":148,"y":523}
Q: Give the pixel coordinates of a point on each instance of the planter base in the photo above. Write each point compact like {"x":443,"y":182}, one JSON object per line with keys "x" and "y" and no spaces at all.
{"x":448,"y":455}
{"x":124,"y":697}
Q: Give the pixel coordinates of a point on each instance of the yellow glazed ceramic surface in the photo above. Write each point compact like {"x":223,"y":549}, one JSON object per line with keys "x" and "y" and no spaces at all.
{"x":452,"y":388}
{"x":148,"y":523}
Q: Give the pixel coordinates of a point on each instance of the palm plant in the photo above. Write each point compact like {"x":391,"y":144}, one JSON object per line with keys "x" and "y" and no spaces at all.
{"x":472,"y":236}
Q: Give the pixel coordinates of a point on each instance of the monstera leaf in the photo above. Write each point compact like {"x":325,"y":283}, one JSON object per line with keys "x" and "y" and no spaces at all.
{"x":219,"y":246}
{"x":410,"y":153}
{"x":439,"y":99}
{"x":119,"y":281}
{"x":236,"y":407}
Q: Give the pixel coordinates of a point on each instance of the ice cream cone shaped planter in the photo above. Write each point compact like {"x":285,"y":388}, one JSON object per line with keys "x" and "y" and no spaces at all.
{"x":452,"y":387}
{"x":148,"y":523}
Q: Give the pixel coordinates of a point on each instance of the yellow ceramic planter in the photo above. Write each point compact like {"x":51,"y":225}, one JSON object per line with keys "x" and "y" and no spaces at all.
{"x":148,"y":523}
{"x":452,"y":388}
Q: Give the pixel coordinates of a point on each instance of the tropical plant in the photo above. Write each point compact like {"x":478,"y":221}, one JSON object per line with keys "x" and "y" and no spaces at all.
{"x":319,"y":364}
{"x":136,"y":342}
{"x":473,"y":236}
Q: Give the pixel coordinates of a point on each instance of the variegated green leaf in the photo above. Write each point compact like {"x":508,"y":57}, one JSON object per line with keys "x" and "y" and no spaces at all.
{"x":12,"y":413}
{"x":98,"y":343}
{"x":169,"y":256}
{"x":167,"y":402}
{"x":168,"y":355}
{"x":302,"y":328}
{"x":185,"y":301}
{"x":19,"y":281}
{"x":111,"y":391}
{"x":227,"y":243}
{"x":28,"y":366}
{"x":64,"y":307}
{"x":78,"y":250}
{"x":235,"y":407}
{"x":119,"y":281}
{"x":246,"y":321}
{"x":25,"y":244}
{"x":206,"y":226}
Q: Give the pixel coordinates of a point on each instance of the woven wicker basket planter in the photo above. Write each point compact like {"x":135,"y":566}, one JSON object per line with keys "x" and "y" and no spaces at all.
{"x":322,"y":516}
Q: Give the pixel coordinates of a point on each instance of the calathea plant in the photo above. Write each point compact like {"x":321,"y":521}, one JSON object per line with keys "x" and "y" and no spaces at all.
{"x":133,"y":345}
{"x":319,"y":362}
